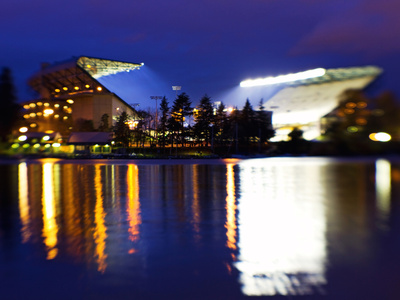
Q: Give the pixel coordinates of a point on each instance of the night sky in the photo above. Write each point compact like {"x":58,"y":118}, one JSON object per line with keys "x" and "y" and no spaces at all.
{"x":207,"y":46}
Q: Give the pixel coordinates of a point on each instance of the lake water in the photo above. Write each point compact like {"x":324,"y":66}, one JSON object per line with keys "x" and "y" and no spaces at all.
{"x":306,"y":228}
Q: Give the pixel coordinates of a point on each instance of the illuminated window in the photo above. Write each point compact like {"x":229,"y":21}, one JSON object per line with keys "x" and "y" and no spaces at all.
{"x":33,"y":125}
{"x":361,"y":104}
{"x":56,"y":116}
{"x":65,"y":117}
{"x":65,"y":88}
{"x":349,"y":111}
{"x":57,"y":105}
{"x":46,"y":104}
{"x":22,"y":138}
{"x":99,"y":88}
{"x":32,"y":115}
{"x":39,"y":104}
{"x":361,"y":121}
{"x":57,"y":90}
{"x":39,"y":113}
{"x":46,"y":138}
{"x":70,"y":101}
{"x":87,"y":86}
{"x":76,"y":88}
{"x":48,"y":111}
{"x":88,"y":66}
{"x":26,"y":106}
{"x":23,"y":129}
{"x":351,"y":104}
{"x":32,"y":105}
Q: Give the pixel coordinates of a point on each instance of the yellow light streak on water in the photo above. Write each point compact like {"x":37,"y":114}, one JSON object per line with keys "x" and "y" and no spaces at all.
{"x":195,"y":203}
{"x":133,"y":209}
{"x":50,"y":227}
{"x":24,"y":201}
{"x":100,"y":232}
{"x":230,"y":224}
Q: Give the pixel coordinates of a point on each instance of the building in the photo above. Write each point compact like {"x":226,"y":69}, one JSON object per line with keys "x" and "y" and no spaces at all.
{"x":71,"y":98}
{"x":302,"y":99}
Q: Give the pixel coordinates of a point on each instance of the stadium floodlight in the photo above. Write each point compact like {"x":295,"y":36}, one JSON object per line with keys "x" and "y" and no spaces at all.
{"x":284,"y":78}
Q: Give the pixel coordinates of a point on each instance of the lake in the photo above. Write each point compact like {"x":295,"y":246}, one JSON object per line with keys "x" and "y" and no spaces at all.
{"x":306,"y":228}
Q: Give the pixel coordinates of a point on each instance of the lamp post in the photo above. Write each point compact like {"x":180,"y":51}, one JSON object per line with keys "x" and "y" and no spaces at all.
{"x":156,"y":123}
{"x":176,"y":88}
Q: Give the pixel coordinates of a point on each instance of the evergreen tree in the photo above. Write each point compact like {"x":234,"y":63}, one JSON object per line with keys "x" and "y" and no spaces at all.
{"x":122,"y":133}
{"x":104,"y":124}
{"x":247,"y":122}
{"x":221,"y":125}
{"x":180,"y":110}
{"x":204,"y":120}
{"x":163,"y":124}
{"x":264,"y":123}
{"x":8,"y":107}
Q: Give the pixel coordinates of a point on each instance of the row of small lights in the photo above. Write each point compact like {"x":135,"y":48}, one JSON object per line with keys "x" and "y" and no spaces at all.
{"x":47,"y":111}
{"x":76,"y":88}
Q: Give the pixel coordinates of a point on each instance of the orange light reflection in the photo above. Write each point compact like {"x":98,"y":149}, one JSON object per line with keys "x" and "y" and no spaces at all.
{"x":50,"y":227}
{"x":99,"y":234}
{"x":24,"y":201}
{"x":133,"y":209}
{"x":230,"y":224}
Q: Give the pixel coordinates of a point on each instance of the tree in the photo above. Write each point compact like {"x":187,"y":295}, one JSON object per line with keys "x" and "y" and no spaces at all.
{"x":104,"y":124}
{"x":163,"y":125}
{"x":204,"y":119}
{"x":247,"y":122}
{"x":8,"y":107}
{"x":180,"y":110}
{"x":122,"y":133}
{"x":221,"y":125}
{"x":264,"y":123}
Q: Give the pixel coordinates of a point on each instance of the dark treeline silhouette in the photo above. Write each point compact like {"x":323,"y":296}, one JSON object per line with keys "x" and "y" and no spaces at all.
{"x":208,"y":127}
{"x":8,"y":104}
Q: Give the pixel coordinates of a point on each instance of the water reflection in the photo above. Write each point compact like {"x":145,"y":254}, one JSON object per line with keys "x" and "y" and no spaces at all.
{"x":50,"y":226}
{"x":282,"y":246}
{"x":133,"y":209}
{"x":230,"y":207}
{"x":100,"y":231}
{"x":253,"y":227}
{"x":24,"y":201}
{"x":383,"y":188}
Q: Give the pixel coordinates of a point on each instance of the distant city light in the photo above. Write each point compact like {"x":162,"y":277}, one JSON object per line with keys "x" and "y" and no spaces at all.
{"x":380,"y":137}
{"x":284,"y":78}
{"x":56,"y":145}
{"x":23,"y":129}
{"x":70,"y":101}
{"x":22,"y":138}
{"x":99,"y":88}
{"x":46,"y":138}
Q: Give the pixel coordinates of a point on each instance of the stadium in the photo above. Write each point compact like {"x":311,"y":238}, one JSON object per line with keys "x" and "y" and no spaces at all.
{"x":302,"y":99}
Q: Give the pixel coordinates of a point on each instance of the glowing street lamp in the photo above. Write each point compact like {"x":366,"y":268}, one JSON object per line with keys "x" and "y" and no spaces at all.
{"x":176,"y":88}
{"x":156,"y":98}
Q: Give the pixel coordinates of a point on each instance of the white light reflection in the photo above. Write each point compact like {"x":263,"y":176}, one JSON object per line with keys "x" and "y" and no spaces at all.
{"x":282,"y":246}
{"x":383,"y":186}
{"x":24,"y":201}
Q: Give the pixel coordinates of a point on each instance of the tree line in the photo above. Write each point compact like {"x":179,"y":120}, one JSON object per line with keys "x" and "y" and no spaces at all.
{"x":179,"y":124}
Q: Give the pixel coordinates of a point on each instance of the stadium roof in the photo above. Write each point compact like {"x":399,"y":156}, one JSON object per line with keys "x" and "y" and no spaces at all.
{"x":77,"y":75}
{"x":304,"y":98}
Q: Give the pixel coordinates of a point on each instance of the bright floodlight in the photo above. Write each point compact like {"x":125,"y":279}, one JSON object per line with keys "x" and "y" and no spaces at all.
{"x":284,"y":78}
{"x":380,"y":137}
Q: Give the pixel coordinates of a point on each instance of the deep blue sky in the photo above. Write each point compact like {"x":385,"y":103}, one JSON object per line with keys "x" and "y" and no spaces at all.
{"x":206,"y":46}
